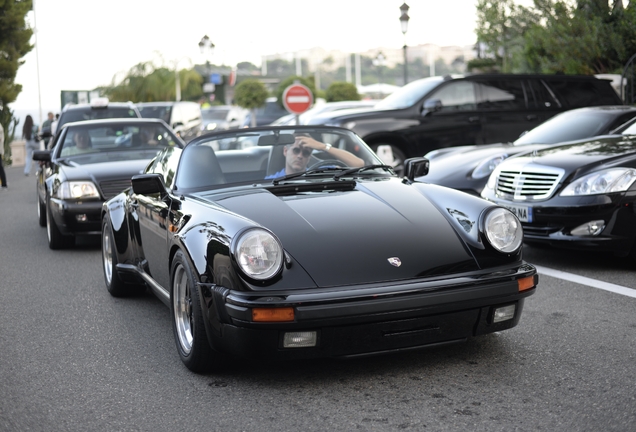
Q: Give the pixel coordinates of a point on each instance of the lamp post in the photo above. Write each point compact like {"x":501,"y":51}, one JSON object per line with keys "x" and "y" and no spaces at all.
{"x":404,"y":22}
{"x":207,"y":48}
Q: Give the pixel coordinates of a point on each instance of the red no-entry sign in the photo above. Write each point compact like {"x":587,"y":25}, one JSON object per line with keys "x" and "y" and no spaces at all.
{"x":297,"y":98}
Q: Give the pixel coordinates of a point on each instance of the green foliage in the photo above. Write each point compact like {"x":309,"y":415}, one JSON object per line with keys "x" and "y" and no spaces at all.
{"x":145,"y":82}
{"x":250,"y":94}
{"x":14,"y":45}
{"x":341,"y":91}
{"x":308,"y":82}
{"x":566,"y":36}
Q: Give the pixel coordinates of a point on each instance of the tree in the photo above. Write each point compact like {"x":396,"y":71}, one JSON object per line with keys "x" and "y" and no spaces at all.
{"x":15,"y":38}
{"x":500,"y":28}
{"x":342,"y":91}
{"x":146,"y":82}
{"x":251,"y":94}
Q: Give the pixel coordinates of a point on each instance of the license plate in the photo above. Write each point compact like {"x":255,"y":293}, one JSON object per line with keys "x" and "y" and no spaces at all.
{"x":524,"y":213}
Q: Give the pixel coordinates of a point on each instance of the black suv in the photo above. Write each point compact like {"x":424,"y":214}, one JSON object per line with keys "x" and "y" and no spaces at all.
{"x":98,"y":108}
{"x":449,"y":111}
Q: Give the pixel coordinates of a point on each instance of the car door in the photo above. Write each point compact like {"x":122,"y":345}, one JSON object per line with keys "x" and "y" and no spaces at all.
{"x":507,"y":108}
{"x":456,"y":122}
{"x":153,"y":218}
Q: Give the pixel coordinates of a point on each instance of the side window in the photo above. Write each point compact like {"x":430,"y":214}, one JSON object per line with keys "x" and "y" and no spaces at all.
{"x":540,"y":96}
{"x":501,"y":94}
{"x":166,"y":164}
{"x":456,"y":96}
{"x":580,"y":93}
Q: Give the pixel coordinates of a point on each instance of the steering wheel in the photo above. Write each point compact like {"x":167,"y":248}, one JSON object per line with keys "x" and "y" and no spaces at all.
{"x":328,"y":162}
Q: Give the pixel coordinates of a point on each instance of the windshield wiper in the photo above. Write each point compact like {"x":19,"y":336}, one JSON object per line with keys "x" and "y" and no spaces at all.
{"x":304,"y":173}
{"x":388,"y":168}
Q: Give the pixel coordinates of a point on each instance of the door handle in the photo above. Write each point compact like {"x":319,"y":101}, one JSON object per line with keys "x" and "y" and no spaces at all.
{"x":473,"y":119}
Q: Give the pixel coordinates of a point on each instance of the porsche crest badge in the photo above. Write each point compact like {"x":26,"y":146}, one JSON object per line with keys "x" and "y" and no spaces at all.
{"x":395,"y":261}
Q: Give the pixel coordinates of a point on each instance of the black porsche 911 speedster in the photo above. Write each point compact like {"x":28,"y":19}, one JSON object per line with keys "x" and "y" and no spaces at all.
{"x":299,"y":243}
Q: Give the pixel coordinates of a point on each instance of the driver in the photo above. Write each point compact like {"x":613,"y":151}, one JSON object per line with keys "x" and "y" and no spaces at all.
{"x":297,"y":155}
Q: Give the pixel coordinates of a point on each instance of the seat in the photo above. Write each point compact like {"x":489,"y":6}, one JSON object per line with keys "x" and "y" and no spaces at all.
{"x":276,"y":160}
{"x":199,"y":168}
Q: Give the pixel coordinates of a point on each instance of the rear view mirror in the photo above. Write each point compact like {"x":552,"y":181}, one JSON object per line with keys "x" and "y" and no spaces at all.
{"x":274,"y":140}
{"x":42,"y":155}
{"x":430,"y":106}
{"x":148,"y":184}
{"x":416,"y":167}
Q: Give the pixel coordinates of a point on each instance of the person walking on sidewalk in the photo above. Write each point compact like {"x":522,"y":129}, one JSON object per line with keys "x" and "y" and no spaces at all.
{"x":3,"y":176}
{"x":30,"y":134}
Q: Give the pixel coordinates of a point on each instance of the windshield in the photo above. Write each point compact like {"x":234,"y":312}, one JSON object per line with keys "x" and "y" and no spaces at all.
{"x":114,"y":137}
{"x":408,"y":95}
{"x":88,"y":113}
{"x":260,"y":156}
{"x":159,"y":112}
{"x":215,"y":114}
{"x":568,"y":126}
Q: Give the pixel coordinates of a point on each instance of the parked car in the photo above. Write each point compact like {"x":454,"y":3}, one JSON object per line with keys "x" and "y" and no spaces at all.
{"x":184,"y":118}
{"x":467,"y":168}
{"x":265,"y":114}
{"x":98,"y":108}
{"x":90,"y":162}
{"x":439,"y":112}
{"x":579,"y":195}
{"x":293,"y":267}
{"x":222,"y":117}
{"x":290,"y":119}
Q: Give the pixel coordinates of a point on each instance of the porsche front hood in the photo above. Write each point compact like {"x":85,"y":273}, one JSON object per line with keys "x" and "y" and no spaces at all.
{"x":359,"y":236}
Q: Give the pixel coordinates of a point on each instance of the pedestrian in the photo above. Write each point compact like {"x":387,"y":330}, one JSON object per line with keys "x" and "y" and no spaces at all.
{"x":30,"y":134}
{"x":3,"y":176}
{"x":46,"y":128}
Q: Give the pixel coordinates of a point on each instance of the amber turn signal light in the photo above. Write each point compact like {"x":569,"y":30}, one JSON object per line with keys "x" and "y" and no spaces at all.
{"x":526,"y":283}
{"x":273,"y":314}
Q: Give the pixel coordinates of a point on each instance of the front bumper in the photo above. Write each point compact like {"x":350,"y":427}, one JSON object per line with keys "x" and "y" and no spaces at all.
{"x":367,"y":320}
{"x":73,"y":217}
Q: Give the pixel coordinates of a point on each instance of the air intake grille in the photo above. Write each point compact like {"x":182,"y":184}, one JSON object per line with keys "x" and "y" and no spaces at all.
{"x":524,"y":185}
{"x":113,"y":187}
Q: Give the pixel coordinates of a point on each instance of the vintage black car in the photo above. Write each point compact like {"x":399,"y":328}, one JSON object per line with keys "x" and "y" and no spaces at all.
{"x":300,"y":243}
{"x":579,"y":195}
{"x":467,"y":168}
{"x":90,"y":162}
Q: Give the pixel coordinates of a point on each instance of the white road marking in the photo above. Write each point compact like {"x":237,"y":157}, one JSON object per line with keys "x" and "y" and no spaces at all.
{"x":618,"y":289}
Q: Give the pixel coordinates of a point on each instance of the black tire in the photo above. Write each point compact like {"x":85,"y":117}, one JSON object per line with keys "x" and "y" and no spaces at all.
{"x":187,"y":319}
{"x":41,"y":211}
{"x":57,"y":240}
{"x":390,"y":155}
{"x":115,"y":286}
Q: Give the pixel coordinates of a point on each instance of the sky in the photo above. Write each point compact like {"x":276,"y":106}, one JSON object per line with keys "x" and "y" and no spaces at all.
{"x":83,"y":44}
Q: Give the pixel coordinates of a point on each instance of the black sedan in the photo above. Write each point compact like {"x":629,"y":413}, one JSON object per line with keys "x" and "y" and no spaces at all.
{"x":302,"y":244}
{"x":90,"y":162}
{"x":467,"y":168}
{"x":579,"y":195}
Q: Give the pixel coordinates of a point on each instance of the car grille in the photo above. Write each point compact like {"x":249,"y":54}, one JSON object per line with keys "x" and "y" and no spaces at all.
{"x":534,"y":183}
{"x":113,"y":187}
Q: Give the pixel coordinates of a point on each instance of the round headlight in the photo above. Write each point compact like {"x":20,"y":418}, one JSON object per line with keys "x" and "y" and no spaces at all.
{"x":503,"y":230}
{"x":259,"y":254}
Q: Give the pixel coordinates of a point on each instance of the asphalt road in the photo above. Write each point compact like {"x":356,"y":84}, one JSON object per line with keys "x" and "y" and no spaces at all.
{"x":73,"y":358}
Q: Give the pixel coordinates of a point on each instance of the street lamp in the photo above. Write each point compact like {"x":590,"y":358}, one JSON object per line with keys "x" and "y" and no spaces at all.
{"x":404,"y":22}
{"x":207,"y":47}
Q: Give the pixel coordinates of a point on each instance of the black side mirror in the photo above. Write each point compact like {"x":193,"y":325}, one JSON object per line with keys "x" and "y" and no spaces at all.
{"x":148,"y":184}
{"x":415,"y":167}
{"x":42,"y":155}
{"x":431,"y":106}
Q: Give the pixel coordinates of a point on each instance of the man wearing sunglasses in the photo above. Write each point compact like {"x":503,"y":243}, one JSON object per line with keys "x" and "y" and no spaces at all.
{"x":297,"y":155}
